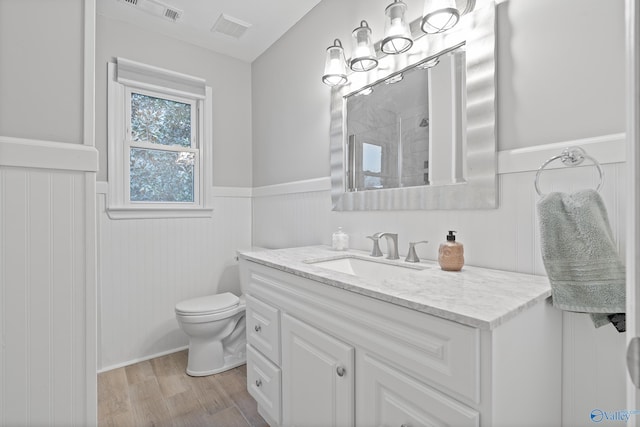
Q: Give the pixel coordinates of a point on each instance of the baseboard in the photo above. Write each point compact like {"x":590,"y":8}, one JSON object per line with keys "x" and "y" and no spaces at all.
{"x":141,"y":359}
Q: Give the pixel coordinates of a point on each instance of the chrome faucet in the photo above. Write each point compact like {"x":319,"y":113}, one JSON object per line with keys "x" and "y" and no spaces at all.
{"x":392,"y":244}
{"x":412,"y":256}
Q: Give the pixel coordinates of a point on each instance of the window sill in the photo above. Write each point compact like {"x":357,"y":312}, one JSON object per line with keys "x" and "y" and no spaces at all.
{"x":153,"y":213}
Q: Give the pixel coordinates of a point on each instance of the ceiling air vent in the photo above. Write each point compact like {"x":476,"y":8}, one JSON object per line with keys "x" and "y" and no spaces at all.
{"x":156,"y":8}
{"x":172,"y":14}
{"x":230,"y":26}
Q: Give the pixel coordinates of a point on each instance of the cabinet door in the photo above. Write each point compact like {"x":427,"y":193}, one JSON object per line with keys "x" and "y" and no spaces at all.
{"x":388,"y":397}
{"x":317,"y":377}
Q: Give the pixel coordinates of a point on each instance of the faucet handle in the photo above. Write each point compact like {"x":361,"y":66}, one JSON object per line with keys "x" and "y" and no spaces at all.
{"x":376,"y":247}
{"x":412,"y":256}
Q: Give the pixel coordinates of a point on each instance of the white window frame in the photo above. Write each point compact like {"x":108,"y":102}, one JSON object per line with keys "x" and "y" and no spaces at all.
{"x":195,"y":138}
{"x":164,"y":84}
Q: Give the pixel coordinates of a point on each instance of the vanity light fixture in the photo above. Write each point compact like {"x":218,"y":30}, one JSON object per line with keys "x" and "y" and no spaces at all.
{"x":439,"y":16}
{"x":428,"y":64}
{"x":397,"y":35}
{"x":364,"y":55}
{"x":364,"y":92}
{"x":335,"y":66}
{"x":394,"y":79}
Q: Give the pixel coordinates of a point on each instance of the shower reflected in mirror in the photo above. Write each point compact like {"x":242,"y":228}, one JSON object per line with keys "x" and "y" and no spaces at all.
{"x":390,"y":141}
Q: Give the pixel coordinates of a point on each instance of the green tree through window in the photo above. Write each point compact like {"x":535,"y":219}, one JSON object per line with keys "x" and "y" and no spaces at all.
{"x":160,"y":121}
{"x":159,"y":174}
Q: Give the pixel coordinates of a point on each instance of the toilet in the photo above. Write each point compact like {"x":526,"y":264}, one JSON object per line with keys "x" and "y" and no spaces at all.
{"x":215,"y":325}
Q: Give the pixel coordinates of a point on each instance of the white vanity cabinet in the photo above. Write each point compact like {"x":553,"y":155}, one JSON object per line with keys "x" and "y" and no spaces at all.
{"x":322,"y":355}
{"x":317,"y":376}
{"x":389,"y":397}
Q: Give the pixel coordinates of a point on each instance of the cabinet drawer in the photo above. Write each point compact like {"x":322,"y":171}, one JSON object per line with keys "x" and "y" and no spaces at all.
{"x":263,"y":328}
{"x":400,"y":400}
{"x":264,"y":383}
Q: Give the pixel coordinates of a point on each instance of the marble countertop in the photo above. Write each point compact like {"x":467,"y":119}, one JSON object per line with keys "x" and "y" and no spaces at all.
{"x":477,"y":297}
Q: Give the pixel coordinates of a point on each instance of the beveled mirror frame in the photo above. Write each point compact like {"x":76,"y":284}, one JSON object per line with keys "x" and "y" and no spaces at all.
{"x":479,"y":191}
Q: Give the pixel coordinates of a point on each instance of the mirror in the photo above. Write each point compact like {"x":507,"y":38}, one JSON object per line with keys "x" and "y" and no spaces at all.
{"x":446,"y":158}
{"x":389,"y":127}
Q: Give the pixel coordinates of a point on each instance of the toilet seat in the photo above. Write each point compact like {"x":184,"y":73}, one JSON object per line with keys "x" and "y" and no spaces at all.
{"x":210,"y":304}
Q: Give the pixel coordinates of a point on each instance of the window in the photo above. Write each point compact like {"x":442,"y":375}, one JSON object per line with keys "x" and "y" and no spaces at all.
{"x":162,"y":148}
{"x":372,"y":165}
{"x":157,"y":145}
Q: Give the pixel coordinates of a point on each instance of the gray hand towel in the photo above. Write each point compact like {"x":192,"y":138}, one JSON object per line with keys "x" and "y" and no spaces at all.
{"x":580,"y":255}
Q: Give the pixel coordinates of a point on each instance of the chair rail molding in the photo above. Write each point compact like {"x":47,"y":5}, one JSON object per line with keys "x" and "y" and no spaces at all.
{"x":606,"y":149}
{"x":31,"y":153}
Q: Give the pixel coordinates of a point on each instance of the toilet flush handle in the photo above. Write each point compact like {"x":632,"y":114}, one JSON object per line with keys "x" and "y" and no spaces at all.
{"x":257,"y":328}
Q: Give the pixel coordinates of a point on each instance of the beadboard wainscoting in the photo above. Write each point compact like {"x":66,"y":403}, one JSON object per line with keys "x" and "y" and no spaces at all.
{"x":506,"y":238}
{"x":47,"y":283}
{"x":148,"y":265}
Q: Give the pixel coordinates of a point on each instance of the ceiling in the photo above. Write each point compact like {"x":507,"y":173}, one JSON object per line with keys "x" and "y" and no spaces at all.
{"x":268,"y":20}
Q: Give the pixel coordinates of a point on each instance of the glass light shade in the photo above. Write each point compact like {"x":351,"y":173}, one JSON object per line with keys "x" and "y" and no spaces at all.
{"x":335,"y":66}
{"x":439,"y":16}
{"x":397,"y":35}
{"x":366,"y":91}
{"x":363,"y":54}
{"x":429,"y":64}
{"x":394,"y":79}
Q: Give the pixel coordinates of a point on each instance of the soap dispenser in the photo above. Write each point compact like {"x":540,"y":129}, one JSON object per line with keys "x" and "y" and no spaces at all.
{"x":451,"y":254}
{"x":340,"y":240}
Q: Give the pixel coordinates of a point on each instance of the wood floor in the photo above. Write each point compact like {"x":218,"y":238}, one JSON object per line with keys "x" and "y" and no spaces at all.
{"x":158,"y":392}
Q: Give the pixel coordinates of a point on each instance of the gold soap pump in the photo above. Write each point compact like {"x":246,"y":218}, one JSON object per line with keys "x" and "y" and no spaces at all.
{"x":451,"y":253}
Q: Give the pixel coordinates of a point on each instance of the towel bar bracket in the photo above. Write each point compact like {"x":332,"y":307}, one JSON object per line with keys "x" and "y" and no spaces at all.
{"x":571,"y":156}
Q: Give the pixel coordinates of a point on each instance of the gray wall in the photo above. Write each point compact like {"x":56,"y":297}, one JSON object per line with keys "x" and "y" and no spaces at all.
{"x":560,"y":77}
{"x":41,"y":69}
{"x":560,"y":70}
{"x":229,"y":78}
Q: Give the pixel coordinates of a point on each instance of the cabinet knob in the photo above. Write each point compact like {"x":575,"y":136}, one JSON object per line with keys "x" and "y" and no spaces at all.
{"x":258,"y":382}
{"x":257,"y":328}
{"x":340,"y":370}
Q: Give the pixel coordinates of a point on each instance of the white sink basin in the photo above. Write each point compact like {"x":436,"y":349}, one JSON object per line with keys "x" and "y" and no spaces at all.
{"x":368,"y":268}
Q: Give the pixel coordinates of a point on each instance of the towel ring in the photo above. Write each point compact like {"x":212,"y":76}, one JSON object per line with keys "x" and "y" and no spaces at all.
{"x":572,"y":156}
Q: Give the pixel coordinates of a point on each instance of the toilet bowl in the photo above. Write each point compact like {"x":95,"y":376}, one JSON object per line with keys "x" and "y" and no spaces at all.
{"x":215,"y":325}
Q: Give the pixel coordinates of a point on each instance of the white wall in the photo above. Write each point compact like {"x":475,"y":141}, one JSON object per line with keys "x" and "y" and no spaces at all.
{"x":47,"y":316}
{"x":148,"y":265}
{"x":552,"y":87}
{"x":47,"y":214}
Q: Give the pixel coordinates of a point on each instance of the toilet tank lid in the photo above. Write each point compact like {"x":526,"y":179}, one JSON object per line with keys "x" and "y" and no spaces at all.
{"x":208,"y":304}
